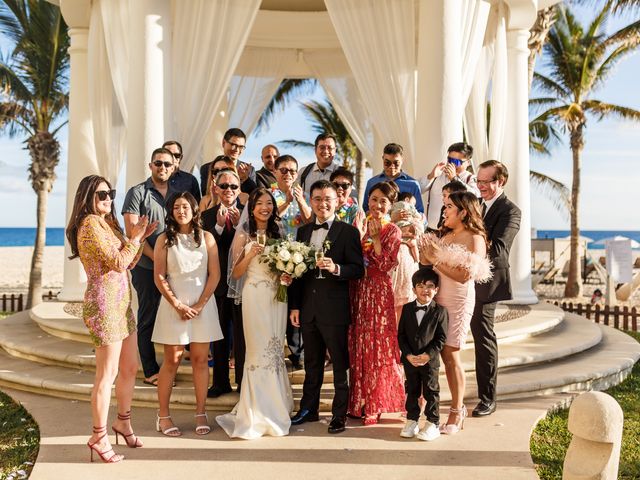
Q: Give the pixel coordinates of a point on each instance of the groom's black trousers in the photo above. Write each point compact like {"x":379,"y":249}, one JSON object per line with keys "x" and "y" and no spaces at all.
{"x":317,"y":339}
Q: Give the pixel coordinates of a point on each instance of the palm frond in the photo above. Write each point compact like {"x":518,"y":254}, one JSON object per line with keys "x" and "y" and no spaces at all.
{"x":549,"y":85}
{"x":556,"y":191}
{"x":289,"y":90}
{"x":295,"y":144}
{"x":604,"y":109}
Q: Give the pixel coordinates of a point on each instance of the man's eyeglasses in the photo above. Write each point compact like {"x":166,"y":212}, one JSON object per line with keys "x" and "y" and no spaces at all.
{"x":323,"y":199}
{"x":284,"y":171}
{"x":326,"y":147}
{"x":342,"y":185}
{"x":389,"y":163}
{"x":235,"y":146}
{"x":103,"y":194}
{"x":160,"y":163}
{"x":456,"y":161}
{"x":486,"y":182}
{"x":227,"y":186}
{"x":177,"y":156}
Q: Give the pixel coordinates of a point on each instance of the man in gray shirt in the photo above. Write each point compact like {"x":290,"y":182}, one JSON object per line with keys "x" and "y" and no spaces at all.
{"x":148,"y":198}
{"x":325,"y":150}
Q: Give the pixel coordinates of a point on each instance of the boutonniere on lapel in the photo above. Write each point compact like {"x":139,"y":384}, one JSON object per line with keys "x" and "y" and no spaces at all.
{"x":326,"y":245}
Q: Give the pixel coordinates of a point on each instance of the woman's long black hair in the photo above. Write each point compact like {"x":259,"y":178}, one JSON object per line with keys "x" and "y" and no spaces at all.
{"x":171,"y":226}
{"x":273,"y":230}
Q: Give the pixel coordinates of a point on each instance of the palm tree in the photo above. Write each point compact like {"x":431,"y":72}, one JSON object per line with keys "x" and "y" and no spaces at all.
{"x":289,"y":90}
{"x":324,"y":118}
{"x":34,"y":83}
{"x":579,"y":61}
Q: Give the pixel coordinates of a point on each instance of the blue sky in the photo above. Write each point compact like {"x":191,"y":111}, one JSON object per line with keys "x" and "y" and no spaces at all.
{"x":610,"y":175}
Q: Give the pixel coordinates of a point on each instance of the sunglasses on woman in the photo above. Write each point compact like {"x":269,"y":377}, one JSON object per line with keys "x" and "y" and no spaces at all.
{"x":103,"y":194}
{"x":226,"y":186}
{"x":342,"y":185}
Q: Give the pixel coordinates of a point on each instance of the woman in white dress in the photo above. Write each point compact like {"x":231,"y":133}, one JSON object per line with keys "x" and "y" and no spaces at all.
{"x":266,"y":400}
{"x":186,"y":271}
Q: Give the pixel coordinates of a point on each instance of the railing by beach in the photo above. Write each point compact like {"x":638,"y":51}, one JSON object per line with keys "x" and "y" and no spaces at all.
{"x":15,"y":302}
{"x":623,"y":318}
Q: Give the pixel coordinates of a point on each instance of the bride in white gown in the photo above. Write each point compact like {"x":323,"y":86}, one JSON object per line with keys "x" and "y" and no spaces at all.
{"x":266,"y":400}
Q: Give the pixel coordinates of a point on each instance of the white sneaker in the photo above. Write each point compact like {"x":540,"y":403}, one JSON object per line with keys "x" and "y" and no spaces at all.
{"x":429,"y":432}
{"x":410,"y":429}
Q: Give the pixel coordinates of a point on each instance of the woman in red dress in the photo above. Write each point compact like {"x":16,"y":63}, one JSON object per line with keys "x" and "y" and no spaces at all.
{"x":375,"y":375}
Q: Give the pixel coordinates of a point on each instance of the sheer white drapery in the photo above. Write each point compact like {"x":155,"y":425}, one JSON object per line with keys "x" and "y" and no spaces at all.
{"x":108,"y":77}
{"x":332,"y":71}
{"x":250,"y":94}
{"x":491,"y":72}
{"x":208,"y":39}
{"x":378,"y":36}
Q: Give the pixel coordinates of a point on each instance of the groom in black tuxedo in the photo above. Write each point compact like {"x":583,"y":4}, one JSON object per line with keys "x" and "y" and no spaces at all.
{"x":321,"y":305}
{"x":502,"y":222}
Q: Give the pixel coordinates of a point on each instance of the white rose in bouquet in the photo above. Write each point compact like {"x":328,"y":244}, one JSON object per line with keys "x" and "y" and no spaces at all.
{"x":289,"y":268}
{"x":300,"y":269}
{"x":284,"y":255}
{"x":297,"y":258}
{"x":280,"y":265}
{"x":267,"y":250}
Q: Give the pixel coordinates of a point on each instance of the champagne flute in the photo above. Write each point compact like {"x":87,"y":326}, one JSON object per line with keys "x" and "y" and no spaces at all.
{"x":319,"y":254}
{"x":261,"y":237}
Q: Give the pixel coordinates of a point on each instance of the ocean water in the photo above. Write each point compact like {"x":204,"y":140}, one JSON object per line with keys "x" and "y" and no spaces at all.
{"x":24,"y":237}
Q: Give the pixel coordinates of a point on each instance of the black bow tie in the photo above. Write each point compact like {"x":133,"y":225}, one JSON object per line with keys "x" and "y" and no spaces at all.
{"x":317,"y":226}
{"x":423,"y":308}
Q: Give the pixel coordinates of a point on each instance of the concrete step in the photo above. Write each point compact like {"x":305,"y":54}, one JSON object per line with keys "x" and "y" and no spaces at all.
{"x":513,"y":322}
{"x":23,"y":338}
{"x":603,"y":365}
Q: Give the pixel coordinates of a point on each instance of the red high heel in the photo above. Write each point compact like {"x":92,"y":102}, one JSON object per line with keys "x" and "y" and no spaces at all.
{"x":136,"y":443}
{"x":115,"y":458}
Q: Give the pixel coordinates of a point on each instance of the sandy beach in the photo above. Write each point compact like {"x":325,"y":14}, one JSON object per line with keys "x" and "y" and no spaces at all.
{"x":16,"y":263}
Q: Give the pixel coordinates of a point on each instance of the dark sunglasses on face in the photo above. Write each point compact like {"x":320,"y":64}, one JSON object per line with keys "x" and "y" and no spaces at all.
{"x":284,"y":171}
{"x":177,"y":156}
{"x":388,"y":163}
{"x":103,"y":194}
{"x":342,"y":185}
{"x":159,"y":163}
{"x":456,"y":161}
{"x":226,"y":186}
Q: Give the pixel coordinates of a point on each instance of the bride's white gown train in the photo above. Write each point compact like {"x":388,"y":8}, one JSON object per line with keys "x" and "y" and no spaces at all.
{"x":266,"y":400}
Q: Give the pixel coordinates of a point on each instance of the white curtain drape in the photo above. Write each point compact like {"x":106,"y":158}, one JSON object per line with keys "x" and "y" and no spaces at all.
{"x":491,"y":72}
{"x":331,"y":70}
{"x":108,"y":76}
{"x":208,"y":39}
{"x":379,"y":36}
{"x":250,"y":94}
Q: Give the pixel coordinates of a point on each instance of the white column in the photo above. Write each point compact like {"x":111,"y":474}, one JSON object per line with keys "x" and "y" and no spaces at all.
{"x":81,"y":152}
{"x":149,"y":97}
{"x":439,"y":106}
{"x":515,"y":154}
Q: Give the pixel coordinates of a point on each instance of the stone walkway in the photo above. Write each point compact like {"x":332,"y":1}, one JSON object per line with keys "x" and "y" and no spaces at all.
{"x":493,"y":448}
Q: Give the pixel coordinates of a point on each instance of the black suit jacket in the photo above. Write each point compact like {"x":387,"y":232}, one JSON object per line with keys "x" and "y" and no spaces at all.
{"x":326,"y":301}
{"x":224,"y":245}
{"x":428,"y":337}
{"x":502,"y":222}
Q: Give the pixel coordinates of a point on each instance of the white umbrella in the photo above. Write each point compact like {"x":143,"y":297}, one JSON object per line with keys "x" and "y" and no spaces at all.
{"x":604,"y":241}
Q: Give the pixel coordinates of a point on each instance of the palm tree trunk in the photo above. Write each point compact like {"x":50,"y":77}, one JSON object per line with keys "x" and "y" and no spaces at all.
{"x":538,"y":36}
{"x":34,"y":296}
{"x":361,"y":165}
{"x":574,"y":280}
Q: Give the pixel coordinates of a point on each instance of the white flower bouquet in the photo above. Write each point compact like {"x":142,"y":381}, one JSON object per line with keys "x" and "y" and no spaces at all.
{"x":286,"y":256}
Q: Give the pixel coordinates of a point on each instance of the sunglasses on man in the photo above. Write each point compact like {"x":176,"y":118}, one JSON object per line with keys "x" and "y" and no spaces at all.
{"x":395,"y":163}
{"x":342,"y":185}
{"x":284,"y":171}
{"x":160,"y":163}
{"x":103,"y":194}
{"x":455,"y":161}
{"x":177,"y":156}
{"x":226,"y":186}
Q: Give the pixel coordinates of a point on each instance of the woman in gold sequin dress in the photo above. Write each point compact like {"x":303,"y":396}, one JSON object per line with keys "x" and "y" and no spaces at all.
{"x":96,"y":237}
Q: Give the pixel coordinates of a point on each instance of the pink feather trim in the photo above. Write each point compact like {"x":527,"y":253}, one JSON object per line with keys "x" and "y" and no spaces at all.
{"x":456,"y":256}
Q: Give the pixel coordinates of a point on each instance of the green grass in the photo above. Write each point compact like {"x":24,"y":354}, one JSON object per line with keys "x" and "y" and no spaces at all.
{"x":550,"y":439}
{"x":19,"y":439}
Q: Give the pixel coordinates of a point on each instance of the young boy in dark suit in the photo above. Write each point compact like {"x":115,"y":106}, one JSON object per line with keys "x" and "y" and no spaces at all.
{"x":422,"y":331}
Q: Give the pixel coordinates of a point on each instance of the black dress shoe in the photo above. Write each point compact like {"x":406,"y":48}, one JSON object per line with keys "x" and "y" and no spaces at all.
{"x":215,"y":392}
{"x":483,"y":409}
{"x":304,"y":416}
{"x":337,"y":424}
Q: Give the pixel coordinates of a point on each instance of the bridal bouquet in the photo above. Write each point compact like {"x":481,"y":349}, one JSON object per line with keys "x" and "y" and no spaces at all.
{"x":290,"y":257}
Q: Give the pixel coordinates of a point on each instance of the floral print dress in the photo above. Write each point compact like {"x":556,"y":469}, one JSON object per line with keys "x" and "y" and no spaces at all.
{"x":106,"y":255}
{"x":375,"y":374}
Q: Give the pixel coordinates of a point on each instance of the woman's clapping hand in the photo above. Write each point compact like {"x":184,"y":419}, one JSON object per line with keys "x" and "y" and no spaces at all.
{"x":143,"y":229}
